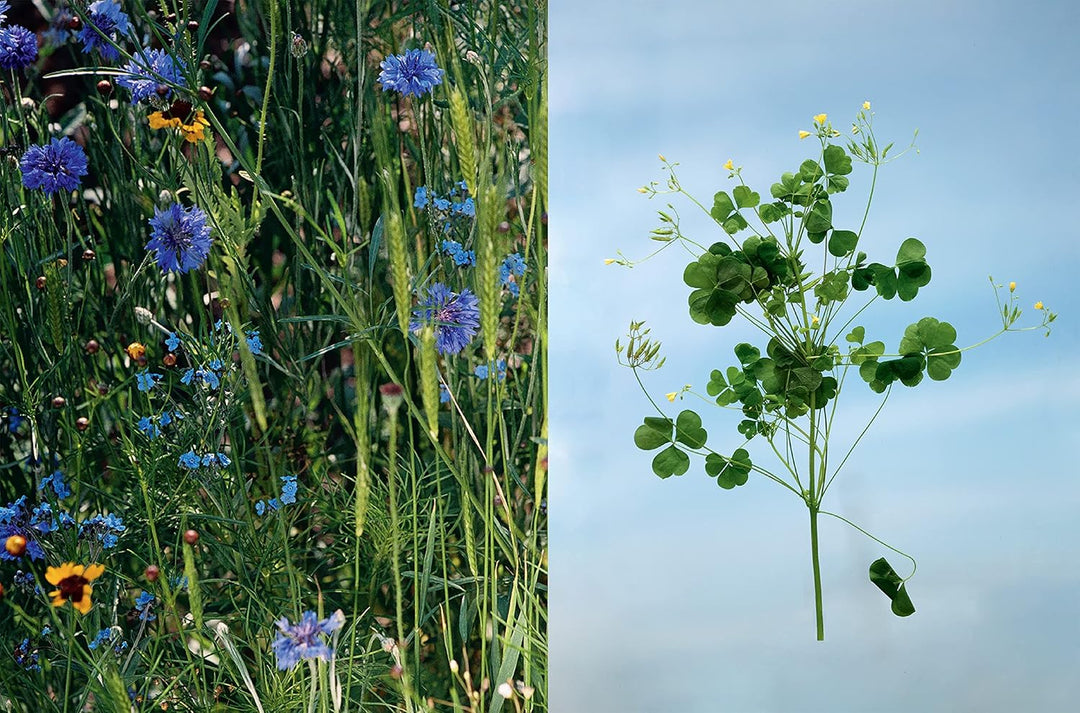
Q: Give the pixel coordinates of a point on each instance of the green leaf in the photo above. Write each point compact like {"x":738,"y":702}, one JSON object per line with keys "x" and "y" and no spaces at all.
{"x":888,"y":581}
{"x":747,"y":354}
{"x":772,"y":212}
{"x":836,"y":160}
{"x":843,"y":242}
{"x":857,"y":335}
{"x":838,"y":184}
{"x":820,"y":218}
{"x":702,"y":273}
{"x":734,"y":224}
{"x":884,"y":280}
{"x":729,"y":472}
{"x":688,"y":430}
{"x":941,"y":361}
{"x":670,"y":461}
{"x":654,"y":433}
{"x":716,"y":383}
{"x":911,"y":250}
{"x":744,"y":197}
{"x":722,"y":207}
{"x":810,"y":171}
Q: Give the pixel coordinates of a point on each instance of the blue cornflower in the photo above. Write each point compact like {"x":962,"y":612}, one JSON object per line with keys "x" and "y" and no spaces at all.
{"x":254,"y":342}
{"x":106,"y":529}
{"x":190,"y":460}
{"x":17,"y":519}
{"x":173,"y":342}
{"x":301,"y":640}
{"x":414,"y":72}
{"x":466,"y":208}
{"x":56,"y":481}
{"x":421,"y":198}
{"x":180,"y":237}
{"x":106,"y":16}
{"x":59,"y":165}
{"x":481,"y":370}
{"x":4,"y":7}
{"x":146,"y":380}
{"x":455,"y":317}
{"x":513,"y":264}
{"x":18,"y":47}
{"x":460,"y":256}
{"x":144,"y":605}
{"x":144,"y":73}
{"x":288,"y":489}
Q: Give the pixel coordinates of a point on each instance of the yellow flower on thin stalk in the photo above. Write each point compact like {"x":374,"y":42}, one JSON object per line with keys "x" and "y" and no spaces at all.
{"x":72,"y":582}
{"x":803,"y":134}
{"x":1038,"y":305}
{"x":866,"y":106}
{"x":180,"y":116}
{"x":1012,"y":287}
{"x":729,"y":165}
{"x":671,"y":397}
{"x":820,"y":118}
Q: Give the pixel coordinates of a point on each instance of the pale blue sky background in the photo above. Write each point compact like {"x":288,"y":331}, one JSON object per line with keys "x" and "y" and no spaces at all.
{"x":678,"y":596}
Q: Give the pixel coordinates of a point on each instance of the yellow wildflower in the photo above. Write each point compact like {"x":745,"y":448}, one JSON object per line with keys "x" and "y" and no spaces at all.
{"x":814,"y":320}
{"x":820,"y":118}
{"x":609,"y":260}
{"x":191,"y":126}
{"x":135,"y":350}
{"x":866,"y":106}
{"x":1038,"y":305}
{"x":662,"y":157}
{"x":803,"y":134}
{"x":671,"y":396}
{"x":1012,"y":287}
{"x":643,"y":189}
{"x":729,"y":165}
{"x":73,"y":584}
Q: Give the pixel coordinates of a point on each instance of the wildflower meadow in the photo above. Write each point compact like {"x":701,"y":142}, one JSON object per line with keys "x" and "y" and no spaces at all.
{"x":273,"y":410}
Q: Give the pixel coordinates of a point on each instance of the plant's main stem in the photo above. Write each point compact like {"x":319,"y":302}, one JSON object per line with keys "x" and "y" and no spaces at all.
{"x":813,"y":502}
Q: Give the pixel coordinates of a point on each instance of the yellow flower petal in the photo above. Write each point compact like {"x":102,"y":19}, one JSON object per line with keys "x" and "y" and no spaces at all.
{"x":671,"y":396}
{"x":94,"y":571}
{"x":1012,"y":287}
{"x":866,"y":106}
{"x":803,"y":134}
{"x":1038,"y":305}
{"x":53,"y":575}
{"x":609,"y":260}
{"x":84,"y":603}
{"x":820,"y":118}
{"x":729,"y":165}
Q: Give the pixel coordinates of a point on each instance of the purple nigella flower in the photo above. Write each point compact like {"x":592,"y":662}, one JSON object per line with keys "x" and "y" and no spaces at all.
{"x":54,"y":167}
{"x":107,"y":17}
{"x":301,"y":640}
{"x":145,"y":72}
{"x":455,"y":317}
{"x":414,"y":72}
{"x":181,"y":238}
{"x":18,"y":47}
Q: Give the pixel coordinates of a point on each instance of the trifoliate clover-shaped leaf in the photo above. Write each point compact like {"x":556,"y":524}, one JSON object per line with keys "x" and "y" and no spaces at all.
{"x":722,"y":207}
{"x":857,"y":335}
{"x":842,"y":242}
{"x":654,"y":433}
{"x":729,"y":472}
{"x":744,"y":197}
{"x":670,"y":461}
{"x":820,"y":219}
{"x":837,"y":161}
{"x":688,"y":430}
{"x":888,"y":581}
{"x":913,"y":272}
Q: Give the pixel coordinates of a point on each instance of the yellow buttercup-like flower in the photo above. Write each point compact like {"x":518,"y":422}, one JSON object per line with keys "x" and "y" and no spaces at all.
{"x":72,"y":582}
{"x":1012,"y":287}
{"x":729,"y":165}
{"x":192,"y":125}
{"x":671,"y":396}
{"x":1038,"y":305}
{"x":820,"y":118}
{"x":866,"y":106}
{"x":609,"y":260}
{"x":803,"y":134}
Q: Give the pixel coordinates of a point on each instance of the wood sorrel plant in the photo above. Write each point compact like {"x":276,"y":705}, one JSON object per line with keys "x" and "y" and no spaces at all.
{"x":788,"y":391}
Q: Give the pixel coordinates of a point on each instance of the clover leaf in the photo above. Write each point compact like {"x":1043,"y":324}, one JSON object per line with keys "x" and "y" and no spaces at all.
{"x":888,"y":581}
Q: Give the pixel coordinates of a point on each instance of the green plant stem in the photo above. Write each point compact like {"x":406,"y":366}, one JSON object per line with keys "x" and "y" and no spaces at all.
{"x":813,"y":503}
